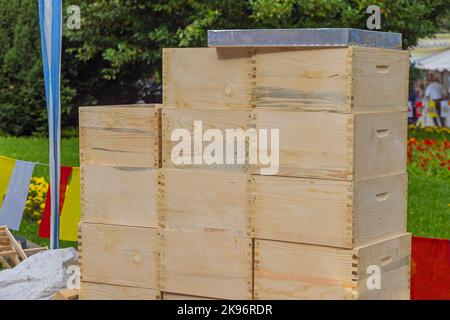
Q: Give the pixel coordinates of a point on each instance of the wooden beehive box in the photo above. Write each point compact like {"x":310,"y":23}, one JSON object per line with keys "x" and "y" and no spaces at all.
{"x":322,"y":145}
{"x":120,"y":255}
{"x":119,"y":156}
{"x":345,"y":79}
{"x":120,"y":136}
{"x":328,"y":212}
{"x":286,"y":270}
{"x":335,"y":213}
{"x":207,"y":264}
{"x":205,"y":201}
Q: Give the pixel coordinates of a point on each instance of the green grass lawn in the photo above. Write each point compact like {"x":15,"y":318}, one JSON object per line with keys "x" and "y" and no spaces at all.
{"x":428,"y":207}
{"x":36,"y":149}
{"x":428,"y":197}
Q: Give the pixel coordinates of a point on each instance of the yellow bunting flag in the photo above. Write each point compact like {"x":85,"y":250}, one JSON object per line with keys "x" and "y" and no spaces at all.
{"x":6,"y":170}
{"x":70,"y":215}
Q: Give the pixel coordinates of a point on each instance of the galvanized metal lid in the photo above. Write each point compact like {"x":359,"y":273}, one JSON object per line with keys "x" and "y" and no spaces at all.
{"x":340,"y":37}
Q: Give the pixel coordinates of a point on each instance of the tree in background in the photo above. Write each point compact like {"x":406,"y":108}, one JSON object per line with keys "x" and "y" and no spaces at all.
{"x":22,"y":105}
{"x":116,"y":55}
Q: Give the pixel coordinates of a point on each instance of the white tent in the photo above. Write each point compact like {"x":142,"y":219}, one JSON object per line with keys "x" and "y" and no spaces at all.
{"x":436,"y":62}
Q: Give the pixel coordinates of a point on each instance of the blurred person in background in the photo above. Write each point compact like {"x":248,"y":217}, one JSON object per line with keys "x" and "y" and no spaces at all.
{"x":436,"y":92}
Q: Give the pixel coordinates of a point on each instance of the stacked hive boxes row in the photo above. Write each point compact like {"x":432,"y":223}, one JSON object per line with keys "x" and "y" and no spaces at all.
{"x":336,"y":206}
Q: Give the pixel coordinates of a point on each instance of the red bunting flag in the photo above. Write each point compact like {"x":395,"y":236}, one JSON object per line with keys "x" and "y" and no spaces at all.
{"x":430,"y":269}
{"x":44,"y":228}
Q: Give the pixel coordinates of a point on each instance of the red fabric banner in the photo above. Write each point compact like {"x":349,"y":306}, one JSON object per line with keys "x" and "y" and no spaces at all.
{"x":430,"y":269}
{"x":44,"y":228}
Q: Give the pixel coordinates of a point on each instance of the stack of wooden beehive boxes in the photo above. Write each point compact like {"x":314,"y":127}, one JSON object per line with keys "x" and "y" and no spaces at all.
{"x":333,"y":213}
{"x":118,"y":246}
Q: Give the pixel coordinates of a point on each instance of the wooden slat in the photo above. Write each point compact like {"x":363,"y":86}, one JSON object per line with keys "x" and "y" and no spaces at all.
{"x":32,"y":251}
{"x":10,"y":250}
{"x":66,"y":294}
{"x":205,"y":201}
{"x":97,"y":291}
{"x":207,"y":265}
{"x":298,"y":271}
{"x":117,"y":195}
{"x":173,"y":296}
{"x":120,"y":255}
{"x":132,"y":117}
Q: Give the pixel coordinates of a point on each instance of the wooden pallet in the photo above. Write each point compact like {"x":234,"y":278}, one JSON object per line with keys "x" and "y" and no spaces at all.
{"x":11,"y":252}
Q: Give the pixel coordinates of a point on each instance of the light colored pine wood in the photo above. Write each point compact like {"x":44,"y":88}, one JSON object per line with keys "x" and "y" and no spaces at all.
{"x":66,"y":294}
{"x":120,"y":136}
{"x":207,"y":265}
{"x":207,"y":78}
{"x":286,"y":270}
{"x":133,"y":117}
{"x":338,"y":146}
{"x":122,"y":196}
{"x":394,"y":258}
{"x":380,"y":208}
{"x":173,"y":296}
{"x":205,"y":201}
{"x":380,"y":143}
{"x":211,"y":119}
{"x":11,"y":252}
{"x":97,"y":291}
{"x":328,"y":212}
{"x":352,"y":79}
{"x":120,"y":255}
{"x":303,"y":210}
{"x":309,"y":79}
{"x":312,"y":144}
{"x":380,"y":79}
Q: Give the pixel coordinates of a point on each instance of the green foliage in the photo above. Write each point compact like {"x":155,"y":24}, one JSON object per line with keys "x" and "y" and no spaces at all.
{"x":22,"y":105}
{"x":116,"y":55}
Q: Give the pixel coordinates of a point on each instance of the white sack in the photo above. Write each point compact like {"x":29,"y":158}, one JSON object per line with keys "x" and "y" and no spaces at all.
{"x":39,"y":277}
